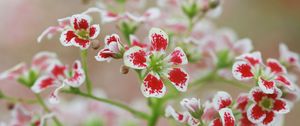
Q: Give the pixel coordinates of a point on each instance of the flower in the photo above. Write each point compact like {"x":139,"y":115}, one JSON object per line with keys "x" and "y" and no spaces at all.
{"x":158,"y":65}
{"x":58,"y":77}
{"x":287,"y":57}
{"x":27,"y":74}
{"x":80,"y":33}
{"x":250,"y":65}
{"x":215,"y":112}
{"x":113,"y":49}
{"x":266,"y":106}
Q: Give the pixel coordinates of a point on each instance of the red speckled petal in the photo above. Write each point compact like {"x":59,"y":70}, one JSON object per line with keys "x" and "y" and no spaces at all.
{"x":159,"y":39}
{"x":267,"y":86}
{"x":275,"y":66}
{"x":80,"y":21}
{"x":177,"y":57}
{"x":242,"y":70}
{"x":179,"y":78}
{"x":153,"y":86}
{"x":78,"y":76}
{"x":104,"y":55}
{"x":221,"y":100}
{"x":256,"y":114}
{"x":94,"y":31}
{"x":135,"y":57}
{"x":43,"y":83}
{"x":227,"y":117}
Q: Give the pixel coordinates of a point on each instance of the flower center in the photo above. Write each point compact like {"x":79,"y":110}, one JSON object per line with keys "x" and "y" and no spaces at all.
{"x":84,"y":34}
{"x":157,"y":62}
{"x":266,"y":103}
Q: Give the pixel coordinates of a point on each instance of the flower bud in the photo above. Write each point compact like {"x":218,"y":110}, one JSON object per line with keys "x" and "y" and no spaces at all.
{"x":214,"y":3}
{"x":95,"y":44}
{"x":124,"y":69}
{"x":10,"y":106}
{"x":193,"y":106}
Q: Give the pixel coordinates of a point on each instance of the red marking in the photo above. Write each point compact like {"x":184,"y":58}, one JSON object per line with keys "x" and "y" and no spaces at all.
{"x":228,"y":119}
{"x":153,"y":84}
{"x":176,"y":57}
{"x":217,"y":122}
{"x":292,"y":60}
{"x":224,"y":103}
{"x":112,"y":38}
{"x":275,"y":67}
{"x":245,"y":121}
{"x":92,"y":31}
{"x":269,"y":118}
{"x":139,"y":58}
{"x":257,"y":112}
{"x":69,"y":36}
{"x":279,"y":105}
{"x":83,"y":43}
{"x":245,"y":70}
{"x":82,"y":24}
{"x":59,"y":71}
{"x":180,"y":117}
{"x":111,"y":14}
{"x":242,"y":102}
{"x":178,"y":77}
{"x":283,"y":80}
{"x":46,"y":83}
{"x":105,"y":54}
{"x":267,"y":84}
{"x":252,"y":60}
{"x":158,"y":42}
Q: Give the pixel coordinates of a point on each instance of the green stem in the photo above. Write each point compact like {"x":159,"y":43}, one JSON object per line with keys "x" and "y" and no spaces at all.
{"x":155,"y":105}
{"x":117,"y":104}
{"x":234,"y":83}
{"x":85,"y":68}
{"x":16,"y":100}
{"x":42,"y":103}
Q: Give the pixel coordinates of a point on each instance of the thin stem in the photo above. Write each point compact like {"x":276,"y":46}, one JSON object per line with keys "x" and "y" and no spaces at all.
{"x":117,"y":104}
{"x":85,"y":68}
{"x":15,"y":100}
{"x":42,"y":103}
{"x":234,"y":83}
{"x":155,"y":105}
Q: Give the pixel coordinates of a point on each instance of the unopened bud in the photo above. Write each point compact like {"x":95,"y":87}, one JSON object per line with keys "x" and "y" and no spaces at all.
{"x":124,"y":69}
{"x":214,"y":3}
{"x":10,"y":106}
{"x":95,"y":44}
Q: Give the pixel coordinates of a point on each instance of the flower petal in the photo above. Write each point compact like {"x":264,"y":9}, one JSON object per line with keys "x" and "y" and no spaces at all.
{"x":104,"y":55}
{"x":285,"y":82}
{"x":67,"y":37}
{"x":113,"y":43}
{"x":107,"y":16}
{"x":94,"y":31}
{"x":44,"y":61}
{"x":177,"y":116}
{"x":80,"y":21}
{"x":78,"y":76}
{"x":256,"y":94}
{"x":209,"y":112}
{"x":242,"y":70}
{"x":49,"y":32}
{"x":136,"y":42}
{"x":192,"y":104}
{"x":252,"y":58}
{"x":152,"y":13}
{"x":281,"y":106}
{"x":275,"y":66}
{"x":269,"y":119}
{"x":15,"y":72}
{"x":179,"y":78}
{"x":267,"y":86}
{"x":153,"y":86}
{"x":221,"y":100}
{"x":288,"y":56}
{"x":255,"y":114}
{"x":177,"y":57}
{"x":242,"y":101}
{"x":159,"y":39}
{"x":43,"y":83}
{"x":227,"y":117}
{"x":81,"y":43}
{"x":135,"y":57}
{"x":59,"y":71}
{"x":243,"y":46}
{"x":192,"y":121}
{"x":216,"y":122}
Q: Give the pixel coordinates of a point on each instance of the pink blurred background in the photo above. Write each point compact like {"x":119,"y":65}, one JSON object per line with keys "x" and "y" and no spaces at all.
{"x":267,"y":23}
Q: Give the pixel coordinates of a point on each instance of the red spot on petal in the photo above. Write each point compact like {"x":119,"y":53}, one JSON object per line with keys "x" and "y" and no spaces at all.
{"x":252,"y":60}
{"x":275,"y":67}
{"x":158,"y":42}
{"x":112,"y":38}
{"x":269,"y":118}
{"x":268,"y":84}
{"x":81,"y":42}
{"x":139,"y":58}
{"x":81,"y":24}
{"x":59,"y":71}
{"x":283,"y":80}
{"x":228,"y":119}
{"x":153,"y":84}
{"x":46,"y":83}
{"x":257,"y":112}
{"x":245,"y":70}
{"x":279,"y":105}
{"x":111,"y":14}
{"x":92,"y":31}
{"x":176,"y":57}
{"x":69,"y":36}
{"x":178,"y":77}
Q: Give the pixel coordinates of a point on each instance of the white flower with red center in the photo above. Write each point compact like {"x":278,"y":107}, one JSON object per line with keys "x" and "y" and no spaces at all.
{"x":250,"y":66}
{"x":58,"y":77}
{"x":113,"y":49}
{"x":158,"y":65}
{"x":288,"y":57}
{"x":80,"y":33}
{"x":266,"y":106}
{"x":40,"y":64}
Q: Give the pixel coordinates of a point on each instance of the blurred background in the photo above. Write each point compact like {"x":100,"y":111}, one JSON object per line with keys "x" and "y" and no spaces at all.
{"x":267,"y":23}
